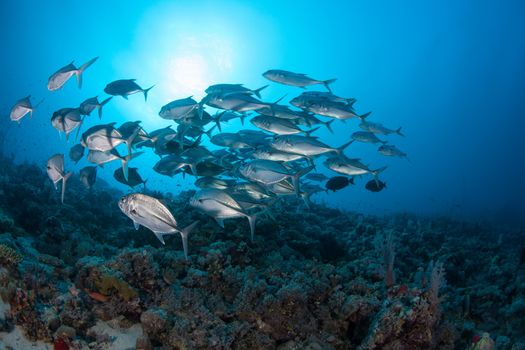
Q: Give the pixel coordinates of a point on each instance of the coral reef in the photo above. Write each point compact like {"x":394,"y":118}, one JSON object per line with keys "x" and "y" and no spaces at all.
{"x":312,"y":279}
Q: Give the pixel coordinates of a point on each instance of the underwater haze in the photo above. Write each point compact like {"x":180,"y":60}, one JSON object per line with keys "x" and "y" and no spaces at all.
{"x":449,"y":73}
{"x":271,"y":174}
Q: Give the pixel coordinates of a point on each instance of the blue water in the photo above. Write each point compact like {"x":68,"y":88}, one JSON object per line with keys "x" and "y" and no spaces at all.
{"x":451,"y":73}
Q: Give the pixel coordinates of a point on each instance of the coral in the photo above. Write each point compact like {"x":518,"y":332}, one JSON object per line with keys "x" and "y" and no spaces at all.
{"x":9,"y":255}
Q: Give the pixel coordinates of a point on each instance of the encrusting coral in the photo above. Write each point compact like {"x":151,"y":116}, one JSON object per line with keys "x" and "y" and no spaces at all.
{"x":313,"y":279}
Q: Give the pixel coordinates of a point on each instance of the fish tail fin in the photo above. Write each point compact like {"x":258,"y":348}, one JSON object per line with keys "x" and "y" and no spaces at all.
{"x":377,"y":172}
{"x":129,"y":141}
{"x":82,"y":69}
{"x":146,"y":92}
{"x":308,"y":132}
{"x":398,"y":131}
{"x":242,"y":117}
{"x":363,"y":116}
{"x":257,"y":92}
{"x":251,"y":221}
{"x":184,"y":233}
{"x":341,"y":148}
{"x":328,"y":125}
{"x":217,"y":120}
{"x":102,"y":105}
{"x":352,"y":180}
{"x":64,"y":180}
{"x":297,"y":176}
{"x":327,"y":83}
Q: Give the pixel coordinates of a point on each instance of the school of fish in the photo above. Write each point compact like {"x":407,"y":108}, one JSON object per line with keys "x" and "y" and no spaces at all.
{"x":243,"y":173}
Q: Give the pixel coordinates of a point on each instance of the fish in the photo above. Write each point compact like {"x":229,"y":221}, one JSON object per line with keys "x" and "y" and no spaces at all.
{"x":269,"y":153}
{"x":304,"y":145}
{"x":278,"y":126}
{"x":90,"y":104}
{"x":337,"y":110}
{"x":105,"y":137}
{"x":224,"y":89}
{"x":295,"y":79}
{"x":377,"y":128}
{"x":220,"y":205}
{"x":61,"y":76}
{"x":367,"y":137}
{"x":129,"y":129}
{"x":66,"y":120}
{"x":76,"y":153}
{"x":179,"y":108}
{"x":125,"y":87}
{"x":316,"y":177}
{"x":338,"y":182}
{"x":309,"y":95}
{"x":392,"y":151}
{"x":375,"y":185}
{"x":102,"y":157}
{"x":350,"y":166}
{"x":268,"y":172}
{"x":88,"y":176}
{"x":235,"y":102}
{"x":21,"y":108}
{"x":133,"y":179}
{"x":151,"y":213}
{"x":214,"y":182}
{"x":56,"y":172}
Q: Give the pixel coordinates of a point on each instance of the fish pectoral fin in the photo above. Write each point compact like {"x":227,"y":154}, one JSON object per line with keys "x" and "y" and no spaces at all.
{"x":220,"y":222}
{"x":159,"y":236}
{"x":136,"y":224}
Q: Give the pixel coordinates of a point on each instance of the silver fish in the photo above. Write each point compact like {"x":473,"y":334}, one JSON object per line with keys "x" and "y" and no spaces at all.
{"x":66,"y":120}
{"x":269,"y":153}
{"x":91,"y":104}
{"x":21,"y":108}
{"x":221,"y":205}
{"x":56,"y":172}
{"x":88,"y":176}
{"x":350,"y":166}
{"x":179,"y":108}
{"x":277,"y":125}
{"x":392,"y":151}
{"x":377,"y":128}
{"x":126,"y":87}
{"x":214,"y":182}
{"x":223,"y":89}
{"x":152,"y":214}
{"x":367,"y":137}
{"x":304,"y":145}
{"x":268,"y":172}
{"x":295,"y":79}
{"x":60,"y":77}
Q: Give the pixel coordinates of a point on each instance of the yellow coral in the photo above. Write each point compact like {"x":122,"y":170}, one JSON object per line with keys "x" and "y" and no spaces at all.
{"x":9,"y":256}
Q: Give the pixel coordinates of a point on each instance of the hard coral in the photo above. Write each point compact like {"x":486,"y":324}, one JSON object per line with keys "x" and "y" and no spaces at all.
{"x":9,"y":256}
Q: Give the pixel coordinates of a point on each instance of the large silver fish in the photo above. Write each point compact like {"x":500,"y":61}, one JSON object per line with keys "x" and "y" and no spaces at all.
{"x":268,"y":172}
{"x":295,"y":79}
{"x":392,"y":151}
{"x":21,"y":108}
{"x":152,"y":214}
{"x":221,"y":205}
{"x":224,"y":89}
{"x":179,"y":108}
{"x":378,"y":128}
{"x":56,"y":172}
{"x":60,"y":77}
{"x":350,"y":166}
{"x":126,"y":87}
{"x":304,"y":145}
{"x":367,"y":137}
{"x":66,"y":120}
{"x":277,"y":125}
{"x":102,"y":157}
{"x":91,"y":104}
